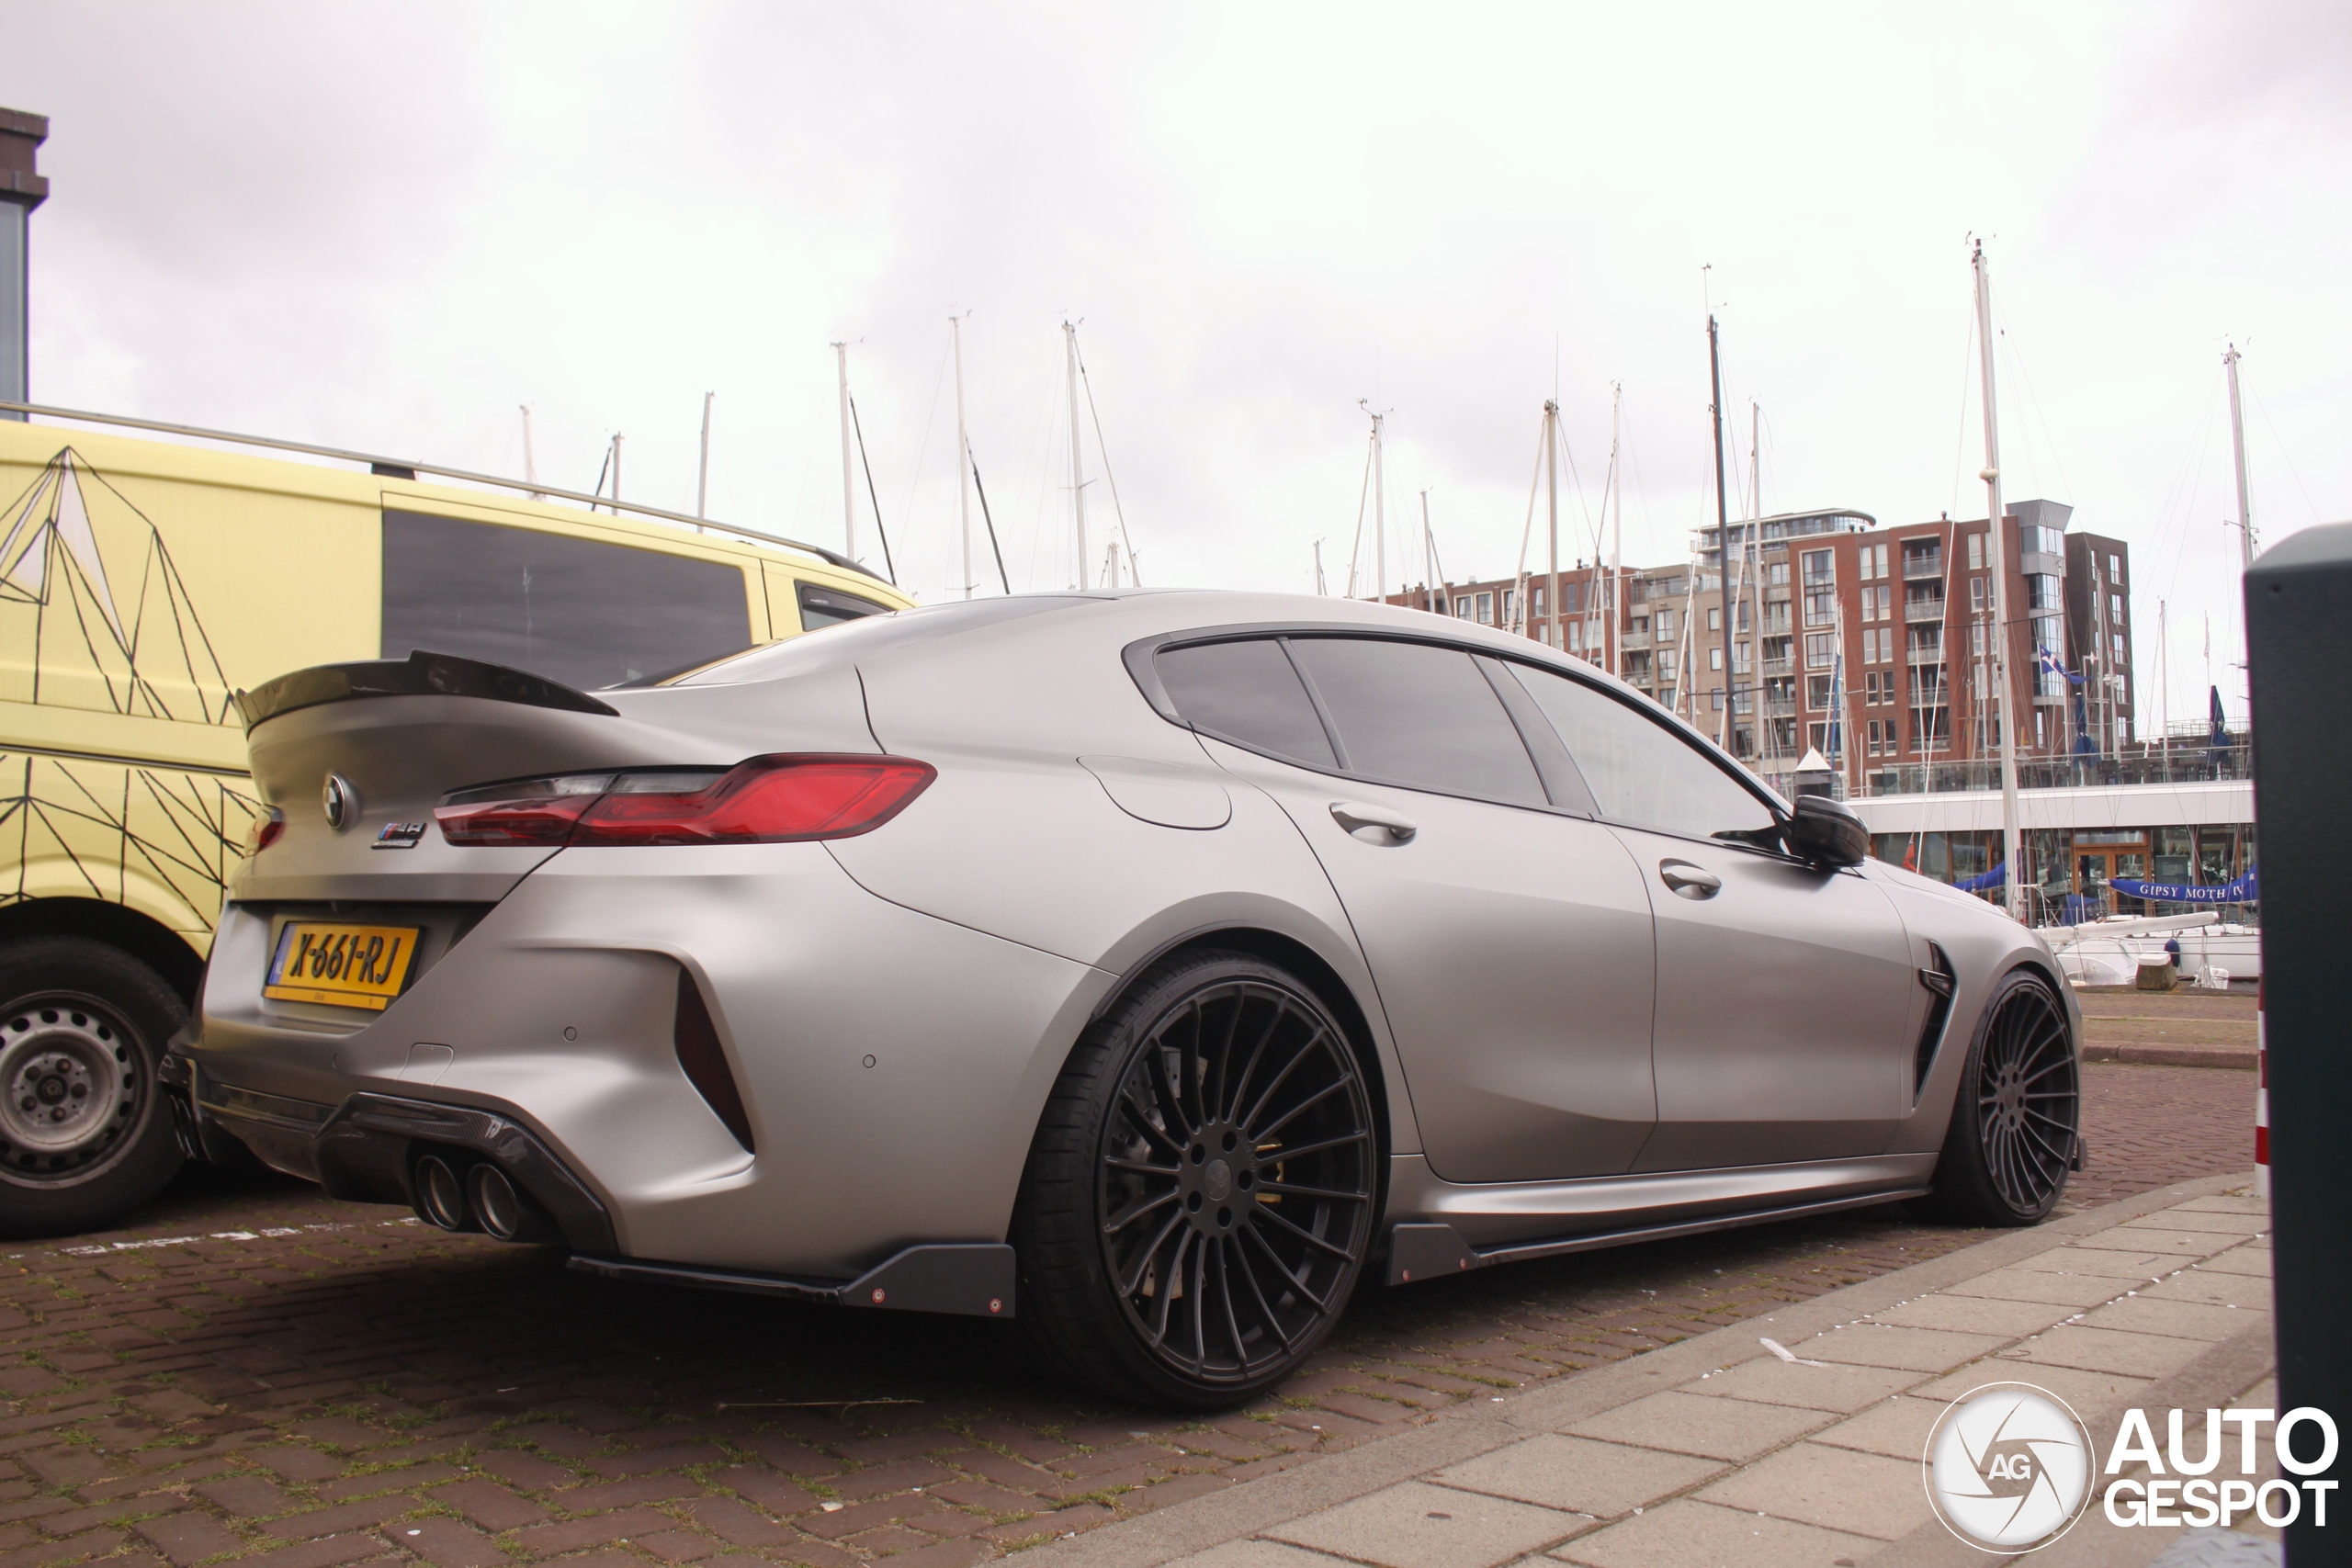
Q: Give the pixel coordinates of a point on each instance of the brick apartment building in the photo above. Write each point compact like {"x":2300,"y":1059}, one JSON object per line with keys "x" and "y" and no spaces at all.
{"x":1866,"y":643}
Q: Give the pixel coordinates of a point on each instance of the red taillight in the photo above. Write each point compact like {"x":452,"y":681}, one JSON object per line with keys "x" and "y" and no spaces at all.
{"x":545,"y":820}
{"x":264,"y":831}
{"x":765,"y":800}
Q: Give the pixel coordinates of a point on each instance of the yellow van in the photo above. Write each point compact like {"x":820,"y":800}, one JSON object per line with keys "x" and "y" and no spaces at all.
{"x":143,"y":584}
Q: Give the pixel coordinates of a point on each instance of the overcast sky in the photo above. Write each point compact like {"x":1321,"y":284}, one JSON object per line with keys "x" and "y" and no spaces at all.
{"x":387,"y":227}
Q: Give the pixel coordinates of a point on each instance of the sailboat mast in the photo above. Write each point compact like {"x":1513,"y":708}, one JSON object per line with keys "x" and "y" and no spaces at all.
{"x":849,"y":494}
{"x":2237,"y":449}
{"x":1428,"y":560}
{"x":1617,"y":534}
{"x":1379,"y":519}
{"x":2014,"y":881}
{"x":1723,"y":519}
{"x":1077,"y":474}
{"x":963,"y":457}
{"x":702,"y":469}
{"x":1552,"y":504}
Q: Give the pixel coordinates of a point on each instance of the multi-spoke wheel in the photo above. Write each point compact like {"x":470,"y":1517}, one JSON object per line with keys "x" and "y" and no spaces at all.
{"x":1200,"y":1196}
{"x":83,"y":1137}
{"x":2019,"y":1112}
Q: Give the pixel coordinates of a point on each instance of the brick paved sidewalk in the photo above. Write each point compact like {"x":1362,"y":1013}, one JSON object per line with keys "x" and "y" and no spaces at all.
{"x":253,"y":1370}
{"x":1722,"y":1451}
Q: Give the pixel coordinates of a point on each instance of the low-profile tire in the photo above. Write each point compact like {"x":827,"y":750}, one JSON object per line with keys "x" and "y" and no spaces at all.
{"x":2016,"y":1117}
{"x":1200,"y":1195}
{"x":85,"y":1136}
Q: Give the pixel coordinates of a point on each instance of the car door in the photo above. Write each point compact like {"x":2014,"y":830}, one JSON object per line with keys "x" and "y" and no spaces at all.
{"x":1510,"y":940}
{"x":1784,"y":991}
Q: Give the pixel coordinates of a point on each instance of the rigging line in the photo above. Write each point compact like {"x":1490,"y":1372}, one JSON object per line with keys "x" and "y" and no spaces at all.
{"x":993,"y":546}
{"x":1355,"y":547}
{"x":2017,"y":358}
{"x":858,"y":426}
{"x":1959,"y":434}
{"x":1534,"y":484}
{"x":2285,"y":455}
{"x":1105,"y":452}
{"x":930,"y":418}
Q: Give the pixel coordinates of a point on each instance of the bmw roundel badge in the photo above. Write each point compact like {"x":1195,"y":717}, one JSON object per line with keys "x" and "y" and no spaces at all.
{"x":340,"y":801}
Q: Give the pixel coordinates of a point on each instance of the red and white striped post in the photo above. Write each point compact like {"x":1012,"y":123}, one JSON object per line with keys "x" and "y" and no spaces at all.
{"x":2261,"y":1100}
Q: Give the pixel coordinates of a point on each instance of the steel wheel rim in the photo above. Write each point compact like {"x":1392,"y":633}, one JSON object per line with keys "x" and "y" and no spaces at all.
{"x":70,"y":1085}
{"x":1235,"y":1183}
{"x":2028,"y":1101}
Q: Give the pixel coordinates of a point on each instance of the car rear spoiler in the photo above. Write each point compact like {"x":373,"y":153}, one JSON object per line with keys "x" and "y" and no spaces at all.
{"x":421,"y":674}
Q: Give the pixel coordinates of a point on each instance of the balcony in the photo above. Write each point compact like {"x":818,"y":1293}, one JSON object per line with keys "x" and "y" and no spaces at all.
{"x":1633,"y":639}
{"x":1924,"y":609}
{"x":1930,"y":564}
{"x":1780,"y":667}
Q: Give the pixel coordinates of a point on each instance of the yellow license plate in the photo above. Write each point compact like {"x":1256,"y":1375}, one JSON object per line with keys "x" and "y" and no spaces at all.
{"x":343,"y":966}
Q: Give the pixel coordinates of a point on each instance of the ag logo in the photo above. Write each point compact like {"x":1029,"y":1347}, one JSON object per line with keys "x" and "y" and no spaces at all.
{"x":2008,"y":1468}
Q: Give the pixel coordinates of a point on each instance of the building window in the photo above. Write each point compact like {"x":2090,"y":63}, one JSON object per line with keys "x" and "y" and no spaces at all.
{"x":1976,"y":592}
{"x":1486,"y":609}
{"x":1536,"y":598}
{"x":1820,"y":567}
{"x":1820,"y":650}
{"x":2044,"y":592}
{"x":1976,"y":552}
{"x":2115,"y":609}
{"x":1715,"y":618}
{"x":2115,"y":570}
{"x":1740,"y":656}
{"x":1926,"y":644}
{"x":1508,"y":595}
{"x":1923,"y":558}
{"x":1664,"y":624}
{"x":1821,"y":608}
{"x":1714,"y":658}
{"x":1462,"y":607}
{"x":1776,"y":574}
{"x":1816,"y":690}
{"x":2119,"y":650}
{"x":1715,"y":697}
{"x":2035,"y":540}
{"x":1874,"y":562}
{"x":1576,"y":636}
{"x":1666,"y":664}
{"x":1976,"y":642}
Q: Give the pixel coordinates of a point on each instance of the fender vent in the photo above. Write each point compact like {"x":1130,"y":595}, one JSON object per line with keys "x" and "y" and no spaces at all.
{"x":1941,"y":982}
{"x":705,"y":1061}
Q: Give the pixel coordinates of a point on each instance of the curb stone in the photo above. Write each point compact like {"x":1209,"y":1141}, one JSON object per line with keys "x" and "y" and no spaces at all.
{"x":1465,"y":1431}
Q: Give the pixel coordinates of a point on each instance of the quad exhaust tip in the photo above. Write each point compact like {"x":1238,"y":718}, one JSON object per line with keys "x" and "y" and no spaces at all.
{"x":478,"y":1196}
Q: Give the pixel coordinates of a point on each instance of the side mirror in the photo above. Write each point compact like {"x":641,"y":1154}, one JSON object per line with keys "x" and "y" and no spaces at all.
{"x":1827,"y":833}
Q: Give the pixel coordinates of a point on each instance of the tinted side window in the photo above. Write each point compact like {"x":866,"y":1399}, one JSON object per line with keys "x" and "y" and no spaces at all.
{"x":830,"y":606}
{"x":1246,"y":692}
{"x":1641,"y":772}
{"x":1419,"y":715}
{"x":578,"y":611}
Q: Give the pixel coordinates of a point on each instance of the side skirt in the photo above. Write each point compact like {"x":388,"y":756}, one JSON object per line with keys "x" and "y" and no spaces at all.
{"x":1427,"y":1251}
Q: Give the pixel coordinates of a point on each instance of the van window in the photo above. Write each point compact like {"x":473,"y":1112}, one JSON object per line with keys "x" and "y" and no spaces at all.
{"x":581,"y":612}
{"x":830,"y":606}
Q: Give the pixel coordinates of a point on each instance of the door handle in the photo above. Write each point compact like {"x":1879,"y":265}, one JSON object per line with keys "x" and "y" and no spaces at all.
{"x":1689,"y":881}
{"x":1372,"y":824}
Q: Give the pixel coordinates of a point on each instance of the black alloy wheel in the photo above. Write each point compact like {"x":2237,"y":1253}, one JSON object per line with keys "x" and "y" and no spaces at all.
{"x":2017,"y":1119}
{"x":1202,"y":1193}
{"x":85,"y":1135}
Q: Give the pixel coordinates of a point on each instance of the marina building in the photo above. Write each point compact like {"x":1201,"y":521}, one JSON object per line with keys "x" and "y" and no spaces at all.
{"x":1869,"y":647}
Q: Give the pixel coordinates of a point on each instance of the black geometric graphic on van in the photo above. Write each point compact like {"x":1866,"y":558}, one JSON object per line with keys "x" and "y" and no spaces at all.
{"x":95,"y":616}
{"x":93,"y":613}
{"x":107,"y":827}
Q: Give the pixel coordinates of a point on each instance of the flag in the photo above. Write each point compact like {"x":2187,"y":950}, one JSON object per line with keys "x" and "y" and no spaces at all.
{"x":2220,"y":740}
{"x":2050,"y":661}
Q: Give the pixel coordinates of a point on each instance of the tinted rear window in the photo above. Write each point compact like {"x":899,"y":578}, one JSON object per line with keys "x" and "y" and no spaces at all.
{"x":1246,"y":692}
{"x":577,"y":610}
{"x":1414,"y":713}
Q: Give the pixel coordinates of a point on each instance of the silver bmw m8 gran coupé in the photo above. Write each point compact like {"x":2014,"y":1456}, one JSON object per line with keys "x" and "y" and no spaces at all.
{"x":1143,"y":967}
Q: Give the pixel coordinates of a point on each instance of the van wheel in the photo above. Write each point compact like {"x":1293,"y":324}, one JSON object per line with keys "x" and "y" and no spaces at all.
{"x":2017,"y":1120}
{"x":1200,"y":1194}
{"x":85,"y":1136}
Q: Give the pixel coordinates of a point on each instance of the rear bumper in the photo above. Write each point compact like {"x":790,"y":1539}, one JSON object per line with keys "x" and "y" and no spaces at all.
{"x":364,"y":1149}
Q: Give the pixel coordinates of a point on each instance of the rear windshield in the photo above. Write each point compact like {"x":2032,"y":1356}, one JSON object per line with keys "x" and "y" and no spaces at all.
{"x":580,"y":612}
